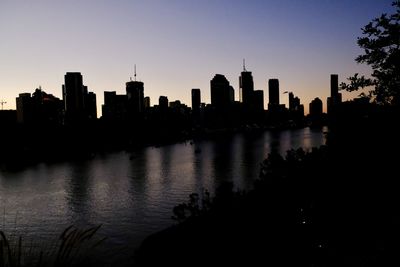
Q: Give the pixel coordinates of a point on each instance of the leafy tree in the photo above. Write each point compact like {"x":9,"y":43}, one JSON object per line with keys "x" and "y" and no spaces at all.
{"x":381,"y":45}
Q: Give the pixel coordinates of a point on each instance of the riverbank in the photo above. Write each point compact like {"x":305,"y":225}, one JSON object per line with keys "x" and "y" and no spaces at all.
{"x":331,"y":207}
{"x":24,"y":146}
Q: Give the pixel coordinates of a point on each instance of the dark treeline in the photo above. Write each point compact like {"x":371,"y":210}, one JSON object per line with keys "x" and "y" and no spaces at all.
{"x":334,"y":206}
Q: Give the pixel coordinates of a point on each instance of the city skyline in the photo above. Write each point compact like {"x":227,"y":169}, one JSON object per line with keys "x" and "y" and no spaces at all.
{"x":178,"y":46}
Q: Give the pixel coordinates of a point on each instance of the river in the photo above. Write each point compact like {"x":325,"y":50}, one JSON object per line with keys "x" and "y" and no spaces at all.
{"x":132,"y":194}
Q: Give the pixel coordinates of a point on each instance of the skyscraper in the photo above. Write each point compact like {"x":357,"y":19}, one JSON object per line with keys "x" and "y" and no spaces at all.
{"x":291,"y":102}
{"x":196,"y":100}
{"x":334,"y":84}
{"x":258,"y":100}
{"x":273,"y":91}
{"x":336,"y":98}
{"x":222,"y":93}
{"x":115,"y":106}
{"x":78,"y":104}
{"x":91,"y":105}
{"x":147,"y":102}
{"x":135,"y":93}
{"x":246,"y":87}
{"x":316,"y":108}
{"x":163,"y":102}
{"x":24,"y":108}
{"x":73,"y":94}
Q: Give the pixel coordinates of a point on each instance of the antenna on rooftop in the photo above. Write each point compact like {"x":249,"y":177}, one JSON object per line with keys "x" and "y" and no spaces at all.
{"x":244,"y":65}
{"x":135,"y":73}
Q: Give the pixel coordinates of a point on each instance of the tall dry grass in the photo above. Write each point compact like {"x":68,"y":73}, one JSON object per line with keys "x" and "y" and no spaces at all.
{"x":74,"y":247}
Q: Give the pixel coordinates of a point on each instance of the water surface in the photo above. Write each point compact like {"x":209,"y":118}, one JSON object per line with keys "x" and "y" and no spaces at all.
{"x":132,"y":194}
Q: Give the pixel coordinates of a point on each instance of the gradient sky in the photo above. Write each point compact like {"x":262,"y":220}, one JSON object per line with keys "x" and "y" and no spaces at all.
{"x":180,"y":44}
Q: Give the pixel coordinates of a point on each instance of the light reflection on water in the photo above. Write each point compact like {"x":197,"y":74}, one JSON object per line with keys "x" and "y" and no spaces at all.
{"x":132,"y":195}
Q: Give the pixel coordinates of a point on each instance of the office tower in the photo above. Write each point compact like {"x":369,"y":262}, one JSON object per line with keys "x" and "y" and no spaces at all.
{"x":222,"y":94}
{"x":109,"y":106}
{"x":316,"y":108}
{"x":163,"y":102}
{"x":79,"y":104}
{"x":246,"y":86}
{"x":196,"y":100}
{"x":175,"y":104}
{"x":291,"y":102}
{"x":135,"y":93}
{"x":24,"y":108}
{"x":46,"y":108}
{"x":294,"y":102}
{"x":300,"y":110}
{"x":273,"y":92}
{"x":231,"y":94}
{"x":115,"y":106}
{"x":334,"y":84}
{"x":146,"y":102}
{"x":258,"y":100}
{"x":90,"y":105}
{"x":40,"y":108}
{"x":336,"y":98}
{"x":73,"y":95}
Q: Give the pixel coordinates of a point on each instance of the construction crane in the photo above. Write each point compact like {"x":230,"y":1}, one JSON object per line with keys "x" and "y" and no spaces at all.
{"x":2,"y":102}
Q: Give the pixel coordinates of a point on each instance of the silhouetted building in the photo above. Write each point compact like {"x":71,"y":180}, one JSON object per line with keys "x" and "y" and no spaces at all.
{"x":175,"y":104}
{"x":135,"y":93}
{"x":147,"y":102}
{"x":79,"y":104}
{"x":316,"y":108}
{"x":246,"y":86}
{"x":222,"y":93}
{"x":258,"y":99}
{"x":273,"y":92}
{"x":47,"y":109}
{"x":91,"y":105}
{"x":294,"y":103}
{"x":196,"y":100}
{"x":334,"y":84}
{"x":115,"y":106}
{"x":291,"y":101}
{"x":73,"y":96}
{"x":296,"y":110}
{"x":24,"y":108}
{"x":301,"y":111}
{"x":231,"y":95}
{"x":336,"y":98}
{"x":163,"y":102}
{"x":40,"y":108}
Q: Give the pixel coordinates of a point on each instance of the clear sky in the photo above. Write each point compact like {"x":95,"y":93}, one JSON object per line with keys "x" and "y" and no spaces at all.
{"x":180,"y":44}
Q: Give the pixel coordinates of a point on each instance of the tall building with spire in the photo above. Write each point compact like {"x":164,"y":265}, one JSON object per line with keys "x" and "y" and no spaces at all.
{"x":135,"y":94}
{"x":246,"y":87}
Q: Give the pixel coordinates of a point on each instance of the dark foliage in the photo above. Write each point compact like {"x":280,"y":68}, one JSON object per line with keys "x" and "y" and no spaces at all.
{"x":333,"y":206}
{"x":381,"y":45}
